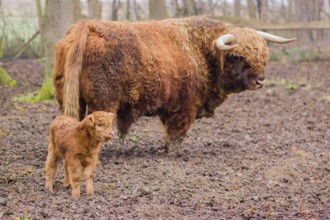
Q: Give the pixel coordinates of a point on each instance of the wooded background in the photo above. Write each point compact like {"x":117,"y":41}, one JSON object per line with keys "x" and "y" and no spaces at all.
{"x":24,"y":24}
{"x":30,"y":28}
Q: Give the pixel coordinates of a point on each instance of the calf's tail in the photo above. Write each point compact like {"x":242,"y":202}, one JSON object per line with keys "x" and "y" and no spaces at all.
{"x":76,"y":39}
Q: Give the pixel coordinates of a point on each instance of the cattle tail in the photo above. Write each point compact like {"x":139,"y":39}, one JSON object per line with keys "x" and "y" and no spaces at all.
{"x":77,"y":36}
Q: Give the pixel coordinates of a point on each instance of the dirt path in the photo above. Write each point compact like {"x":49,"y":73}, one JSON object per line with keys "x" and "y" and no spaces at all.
{"x":264,"y":154}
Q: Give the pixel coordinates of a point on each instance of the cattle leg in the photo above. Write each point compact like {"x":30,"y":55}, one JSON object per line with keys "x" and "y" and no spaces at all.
{"x":75,"y":170}
{"x":176,"y":126}
{"x":88,"y":174}
{"x":51,"y":165}
{"x":124,"y":121}
{"x":66,"y":181}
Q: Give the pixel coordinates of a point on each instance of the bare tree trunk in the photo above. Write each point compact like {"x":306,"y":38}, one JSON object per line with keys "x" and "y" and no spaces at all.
{"x":173,"y":8}
{"x":136,"y":10}
{"x":76,"y":9}
{"x":252,"y":9}
{"x":211,"y":7}
{"x":128,"y":9}
{"x":115,"y":7}
{"x":224,"y":8}
{"x":264,"y":10}
{"x":259,"y":8}
{"x":237,"y":8}
{"x":157,"y":9}
{"x":188,"y":7}
{"x":41,"y":22}
{"x":59,"y":15}
{"x":94,"y":9}
{"x":308,"y":10}
{"x":290,"y":11}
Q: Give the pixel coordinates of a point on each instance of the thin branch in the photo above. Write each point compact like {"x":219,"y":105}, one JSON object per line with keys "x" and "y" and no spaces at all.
{"x":20,"y":50}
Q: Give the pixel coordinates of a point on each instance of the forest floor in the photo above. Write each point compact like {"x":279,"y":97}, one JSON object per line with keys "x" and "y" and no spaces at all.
{"x":264,"y":154}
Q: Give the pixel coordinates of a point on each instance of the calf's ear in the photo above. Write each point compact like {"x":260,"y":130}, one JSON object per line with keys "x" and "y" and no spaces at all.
{"x":90,"y":120}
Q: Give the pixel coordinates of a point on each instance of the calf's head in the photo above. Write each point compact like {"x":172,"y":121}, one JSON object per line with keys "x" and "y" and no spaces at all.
{"x":99,"y":125}
{"x":243,"y":56}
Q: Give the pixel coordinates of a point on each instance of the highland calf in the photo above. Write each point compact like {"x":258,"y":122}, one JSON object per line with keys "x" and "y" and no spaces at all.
{"x":179,"y":69}
{"x":78,"y":144}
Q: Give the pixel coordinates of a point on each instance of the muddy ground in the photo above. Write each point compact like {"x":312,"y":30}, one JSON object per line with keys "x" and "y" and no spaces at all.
{"x":265,"y":154}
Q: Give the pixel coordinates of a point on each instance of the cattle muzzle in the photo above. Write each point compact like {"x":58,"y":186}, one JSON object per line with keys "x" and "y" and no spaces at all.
{"x":108,"y":136}
{"x":259,"y":82}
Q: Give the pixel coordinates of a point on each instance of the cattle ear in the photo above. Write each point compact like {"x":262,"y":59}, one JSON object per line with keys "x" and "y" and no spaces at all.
{"x":90,"y":120}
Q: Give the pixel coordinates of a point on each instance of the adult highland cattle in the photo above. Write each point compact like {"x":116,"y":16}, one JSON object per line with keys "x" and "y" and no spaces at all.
{"x":179,"y":69}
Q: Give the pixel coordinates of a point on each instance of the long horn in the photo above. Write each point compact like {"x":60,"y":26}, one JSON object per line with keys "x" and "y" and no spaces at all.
{"x":225,"y":39}
{"x":274,"y":38}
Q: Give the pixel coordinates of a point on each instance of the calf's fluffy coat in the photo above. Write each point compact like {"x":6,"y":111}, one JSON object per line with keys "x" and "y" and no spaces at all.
{"x":78,"y":144}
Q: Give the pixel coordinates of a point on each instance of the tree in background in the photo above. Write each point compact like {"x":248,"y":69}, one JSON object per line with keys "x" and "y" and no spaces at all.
{"x":128,"y":12}
{"x":290,"y":11}
{"x":308,"y":10}
{"x":224,"y":8}
{"x":94,"y":9}
{"x":237,"y":8}
{"x":157,"y":9}
{"x":58,"y":17}
{"x":262,"y":8}
{"x":173,"y":8}
{"x":41,"y":25}
{"x":251,"y":9}
{"x":188,"y":7}
{"x":115,"y":7}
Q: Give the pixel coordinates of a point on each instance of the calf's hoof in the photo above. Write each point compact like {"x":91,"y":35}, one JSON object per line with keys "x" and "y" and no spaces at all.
{"x":49,"y":187}
{"x":90,"y":191}
{"x":66,"y":183}
{"x":75,"y":193}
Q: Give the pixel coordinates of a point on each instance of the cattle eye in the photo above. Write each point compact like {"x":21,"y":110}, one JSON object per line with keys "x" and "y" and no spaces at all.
{"x":99,"y":125}
{"x":246,"y":66}
{"x":234,"y":59}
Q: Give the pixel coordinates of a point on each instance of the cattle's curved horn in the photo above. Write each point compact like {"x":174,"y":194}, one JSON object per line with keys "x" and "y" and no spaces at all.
{"x":225,"y":39}
{"x":274,"y":38}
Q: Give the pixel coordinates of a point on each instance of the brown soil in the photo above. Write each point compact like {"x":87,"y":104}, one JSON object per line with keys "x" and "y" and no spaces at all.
{"x":265,"y":154}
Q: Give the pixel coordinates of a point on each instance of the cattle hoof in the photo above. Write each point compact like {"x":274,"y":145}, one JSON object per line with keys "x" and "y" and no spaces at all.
{"x":164,"y":150}
{"x":122,"y":139}
{"x":173,"y":146}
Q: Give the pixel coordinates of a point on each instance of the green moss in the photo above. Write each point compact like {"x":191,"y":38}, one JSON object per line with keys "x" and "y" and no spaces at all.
{"x":42,"y":59}
{"x":135,"y":139}
{"x":5,"y":79}
{"x":46,"y":93}
{"x":292,"y":86}
{"x":29,"y":97}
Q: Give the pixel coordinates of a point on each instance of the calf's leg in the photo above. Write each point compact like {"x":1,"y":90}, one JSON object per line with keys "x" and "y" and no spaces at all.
{"x":66,"y":181}
{"x":75,"y":170}
{"x":51,"y":165}
{"x":88,"y":175}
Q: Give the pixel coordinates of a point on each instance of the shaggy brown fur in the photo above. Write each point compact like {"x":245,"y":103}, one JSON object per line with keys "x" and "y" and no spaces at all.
{"x":168,"y":68}
{"x":78,"y":143}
